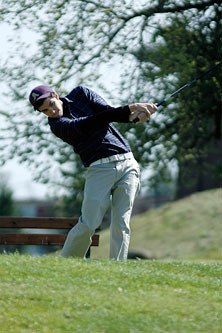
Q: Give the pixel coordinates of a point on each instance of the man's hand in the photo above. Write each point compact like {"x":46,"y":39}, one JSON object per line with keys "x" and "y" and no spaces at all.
{"x":141,"y":112}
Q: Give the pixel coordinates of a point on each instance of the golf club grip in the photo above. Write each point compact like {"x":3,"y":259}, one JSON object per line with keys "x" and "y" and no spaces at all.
{"x":157,"y":104}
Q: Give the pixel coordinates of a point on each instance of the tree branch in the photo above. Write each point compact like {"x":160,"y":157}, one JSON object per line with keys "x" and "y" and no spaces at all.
{"x":160,"y":9}
{"x":5,"y":114}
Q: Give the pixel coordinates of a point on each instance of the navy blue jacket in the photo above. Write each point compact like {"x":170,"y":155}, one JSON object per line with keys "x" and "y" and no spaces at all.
{"x":85,"y":125}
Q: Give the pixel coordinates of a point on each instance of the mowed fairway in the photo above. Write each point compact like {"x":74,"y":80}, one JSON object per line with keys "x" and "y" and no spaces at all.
{"x":57,"y":295}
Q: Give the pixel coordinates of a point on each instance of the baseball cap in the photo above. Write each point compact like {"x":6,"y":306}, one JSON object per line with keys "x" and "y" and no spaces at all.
{"x":39,"y":93}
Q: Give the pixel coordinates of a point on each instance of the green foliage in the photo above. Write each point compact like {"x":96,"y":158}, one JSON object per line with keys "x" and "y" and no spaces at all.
{"x":162,"y":183}
{"x":6,"y":199}
{"x":190,"y":128}
{"x":69,"y":204}
{"x":64,"y":295}
{"x":72,"y":42}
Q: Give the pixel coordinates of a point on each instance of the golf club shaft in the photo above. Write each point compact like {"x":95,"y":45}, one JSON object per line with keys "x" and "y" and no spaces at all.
{"x":163,"y":101}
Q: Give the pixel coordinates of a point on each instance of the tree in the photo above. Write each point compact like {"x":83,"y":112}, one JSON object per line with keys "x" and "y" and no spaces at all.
{"x":69,"y":204}
{"x":191,"y":131}
{"x":73,"y":41}
{"x":6,"y":199}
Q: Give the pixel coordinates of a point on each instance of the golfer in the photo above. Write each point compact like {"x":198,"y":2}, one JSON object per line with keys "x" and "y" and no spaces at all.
{"x":84,"y":120}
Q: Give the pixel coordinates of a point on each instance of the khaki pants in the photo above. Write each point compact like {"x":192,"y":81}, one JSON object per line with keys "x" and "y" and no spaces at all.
{"x":112,"y":184}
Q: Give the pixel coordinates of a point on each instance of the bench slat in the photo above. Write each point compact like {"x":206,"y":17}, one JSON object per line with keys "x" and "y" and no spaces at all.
{"x":36,"y":239}
{"x":38,"y":223}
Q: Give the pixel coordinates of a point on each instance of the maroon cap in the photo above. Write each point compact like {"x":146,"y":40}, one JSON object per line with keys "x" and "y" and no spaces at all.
{"x":38,"y":93}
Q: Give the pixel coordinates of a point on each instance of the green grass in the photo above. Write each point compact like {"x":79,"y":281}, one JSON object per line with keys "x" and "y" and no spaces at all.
{"x":56,"y":295}
{"x":173,"y":294}
{"x":190,"y":228}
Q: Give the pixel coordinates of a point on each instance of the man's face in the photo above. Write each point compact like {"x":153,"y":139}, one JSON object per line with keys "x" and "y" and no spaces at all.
{"x":52,"y":106}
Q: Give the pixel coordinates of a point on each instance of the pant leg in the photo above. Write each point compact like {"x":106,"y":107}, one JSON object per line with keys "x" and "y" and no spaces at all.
{"x":123,"y":196}
{"x":97,"y":192}
{"x":78,"y":241}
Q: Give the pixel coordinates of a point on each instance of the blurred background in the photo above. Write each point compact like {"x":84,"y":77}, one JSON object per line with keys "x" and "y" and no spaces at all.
{"x":128,"y":51}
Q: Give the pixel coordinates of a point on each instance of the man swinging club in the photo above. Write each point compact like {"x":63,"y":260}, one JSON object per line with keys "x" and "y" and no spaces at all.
{"x":83,"y":120}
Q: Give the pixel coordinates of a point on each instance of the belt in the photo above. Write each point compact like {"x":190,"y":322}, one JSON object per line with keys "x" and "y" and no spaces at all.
{"x":113,"y":158}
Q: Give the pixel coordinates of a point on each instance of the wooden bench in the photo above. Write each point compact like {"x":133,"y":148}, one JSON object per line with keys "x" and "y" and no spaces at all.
{"x":19,"y":230}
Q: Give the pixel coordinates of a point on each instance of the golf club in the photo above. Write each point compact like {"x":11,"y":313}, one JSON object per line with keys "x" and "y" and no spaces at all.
{"x":189,"y":83}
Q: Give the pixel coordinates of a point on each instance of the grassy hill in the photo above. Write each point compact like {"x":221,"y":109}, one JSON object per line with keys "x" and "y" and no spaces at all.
{"x":57,"y":295}
{"x":190,"y":228}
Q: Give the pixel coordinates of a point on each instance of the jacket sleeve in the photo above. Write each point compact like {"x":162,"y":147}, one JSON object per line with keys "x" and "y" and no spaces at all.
{"x":102,"y":114}
{"x":97,"y":104}
{"x":69,"y":128}
{"x":111,"y":114}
